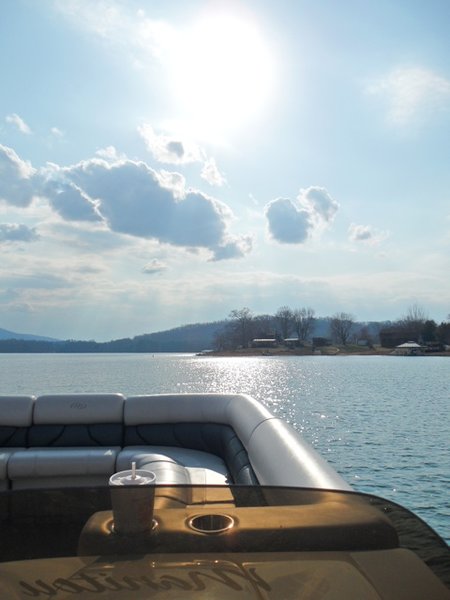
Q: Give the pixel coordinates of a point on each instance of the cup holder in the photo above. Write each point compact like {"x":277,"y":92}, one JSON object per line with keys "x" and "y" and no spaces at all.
{"x":211,"y":524}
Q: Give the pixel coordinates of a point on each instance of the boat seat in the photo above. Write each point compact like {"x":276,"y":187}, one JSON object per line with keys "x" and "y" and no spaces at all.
{"x":59,"y":467}
{"x":15,"y":417}
{"x":77,"y":420}
{"x":74,"y":439}
{"x":173,"y":465}
{"x":193,"y":422}
{"x":207,"y":439}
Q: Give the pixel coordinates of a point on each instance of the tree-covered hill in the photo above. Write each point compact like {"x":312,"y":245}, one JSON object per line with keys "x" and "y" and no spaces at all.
{"x":5,"y":334}
{"x":188,"y":338}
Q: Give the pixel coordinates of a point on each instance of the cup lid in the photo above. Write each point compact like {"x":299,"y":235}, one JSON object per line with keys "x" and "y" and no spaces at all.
{"x":137,"y":477}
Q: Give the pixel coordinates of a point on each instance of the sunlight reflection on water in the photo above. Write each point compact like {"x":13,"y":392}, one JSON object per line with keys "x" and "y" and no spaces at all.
{"x":381,"y":421}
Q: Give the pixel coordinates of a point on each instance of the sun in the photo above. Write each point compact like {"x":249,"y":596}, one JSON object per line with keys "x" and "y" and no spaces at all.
{"x":222,"y":74}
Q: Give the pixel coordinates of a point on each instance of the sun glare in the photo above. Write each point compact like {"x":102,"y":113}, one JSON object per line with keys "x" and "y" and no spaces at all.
{"x":222,"y":74}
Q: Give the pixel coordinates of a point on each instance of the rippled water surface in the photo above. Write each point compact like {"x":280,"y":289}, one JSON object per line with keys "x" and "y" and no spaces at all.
{"x":383,"y":422}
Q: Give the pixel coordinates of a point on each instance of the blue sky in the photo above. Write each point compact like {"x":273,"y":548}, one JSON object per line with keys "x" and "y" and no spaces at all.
{"x":162,"y":163}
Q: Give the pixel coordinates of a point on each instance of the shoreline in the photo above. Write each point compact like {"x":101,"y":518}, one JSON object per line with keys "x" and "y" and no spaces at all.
{"x":324,"y":351}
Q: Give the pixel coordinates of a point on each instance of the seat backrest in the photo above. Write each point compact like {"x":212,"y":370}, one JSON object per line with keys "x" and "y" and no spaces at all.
{"x":16,"y":413}
{"x":241,"y":412}
{"x":77,"y":420}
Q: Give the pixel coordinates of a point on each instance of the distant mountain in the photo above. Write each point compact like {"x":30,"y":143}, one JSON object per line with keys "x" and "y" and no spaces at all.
{"x":189,"y":338}
{"x":12,"y":335}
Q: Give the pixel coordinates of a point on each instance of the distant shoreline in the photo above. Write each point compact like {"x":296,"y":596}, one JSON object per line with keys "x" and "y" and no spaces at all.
{"x":323,"y":351}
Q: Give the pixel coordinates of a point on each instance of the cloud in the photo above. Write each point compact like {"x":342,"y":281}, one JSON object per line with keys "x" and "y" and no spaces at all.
{"x":294,"y":223}
{"x":235,"y":247}
{"x":57,"y":132}
{"x":319,"y":203}
{"x":412,"y":93}
{"x":17,"y":178}
{"x":133,"y":199}
{"x":70,"y":202}
{"x":172,"y":181}
{"x":154,"y":266}
{"x":173,"y":150}
{"x":169,"y":149}
{"x":19,"y":123}
{"x":211,"y":173}
{"x":125,"y":197}
{"x":12,"y":232}
{"x":176,"y":148}
{"x":110,"y":154}
{"x":365,"y":234}
{"x":132,"y":32}
{"x":287,"y":223}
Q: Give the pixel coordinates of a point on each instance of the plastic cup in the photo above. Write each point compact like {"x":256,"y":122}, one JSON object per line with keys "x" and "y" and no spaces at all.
{"x":132,"y":498}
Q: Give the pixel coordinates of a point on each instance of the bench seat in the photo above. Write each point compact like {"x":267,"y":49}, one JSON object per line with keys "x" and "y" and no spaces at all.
{"x":176,"y":465}
{"x":53,"y":467}
{"x":16,"y":417}
{"x":82,"y":439}
{"x":61,"y":440}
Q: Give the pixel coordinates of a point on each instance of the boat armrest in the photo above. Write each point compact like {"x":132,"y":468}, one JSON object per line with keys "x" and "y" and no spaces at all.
{"x":287,"y":460}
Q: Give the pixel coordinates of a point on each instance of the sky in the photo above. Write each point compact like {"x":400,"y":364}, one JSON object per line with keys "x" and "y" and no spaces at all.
{"x":163,"y":163}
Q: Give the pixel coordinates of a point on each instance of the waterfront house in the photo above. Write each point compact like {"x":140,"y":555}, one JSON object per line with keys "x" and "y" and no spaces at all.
{"x":408,"y":349}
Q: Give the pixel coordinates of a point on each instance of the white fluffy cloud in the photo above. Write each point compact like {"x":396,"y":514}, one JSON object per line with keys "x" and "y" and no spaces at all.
{"x":211,"y":173}
{"x":17,"y":178}
{"x":175,"y":182}
{"x":365,"y":234}
{"x":56,"y":132}
{"x":412,"y":93}
{"x":127,"y":197}
{"x":71,"y":202}
{"x":293,"y":222}
{"x":130,"y":198}
{"x":173,"y":150}
{"x":169,"y":149}
{"x":18,"y":122}
{"x":319,"y":203}
{"x":288,"y":224}
{"x":109,"y":153}
{"x":154,"y":266}
{"x":12,"y":232}
{"x":234,"y":247}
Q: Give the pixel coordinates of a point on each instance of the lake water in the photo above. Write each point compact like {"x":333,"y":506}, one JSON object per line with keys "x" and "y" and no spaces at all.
{"x":383,"y":422}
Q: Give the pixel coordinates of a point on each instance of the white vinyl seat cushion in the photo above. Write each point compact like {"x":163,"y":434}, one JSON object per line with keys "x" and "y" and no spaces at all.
{"x":16,"y":411}
{"x":78,"y":409}
{"x":54,"y":462}
{"x":241,"y":412}
{"x":173,"y":465}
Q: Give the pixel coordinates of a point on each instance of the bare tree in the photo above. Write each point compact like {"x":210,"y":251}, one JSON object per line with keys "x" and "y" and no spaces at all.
{"x":416,"y":313}
{"x":304,"y":322}
{"x":341,"y":326}
{"x":242,"y":325}
{"x":284,"y":318}
{"x":412,"y":323}
{"x":264,"y":326}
